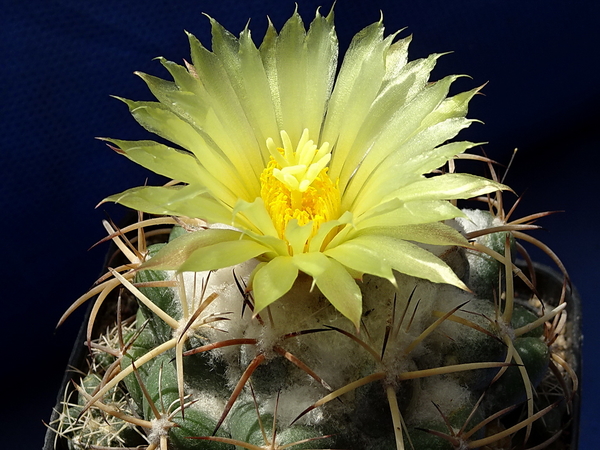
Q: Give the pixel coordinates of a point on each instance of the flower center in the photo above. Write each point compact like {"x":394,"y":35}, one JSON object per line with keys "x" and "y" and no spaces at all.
{"x":295,"y":184}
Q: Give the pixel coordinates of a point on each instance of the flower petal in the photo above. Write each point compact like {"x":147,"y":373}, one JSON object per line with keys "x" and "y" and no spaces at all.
{"x":194,"y":102}
{"x":223,"y":254}
{"x":356,"y":87}
{"x":321,"y":47}
{"x":451,"y":107}
{"x":235,"y":137}
{"x":334,"y":282}
{"x":244,"y":66}
{"x":395,"y":61}
{"x":166,"y":161}
{"x":189,"y":201}
{"x":319,"y":239}
{"x":297,"y":235}
{"x":300,"y":68}
{"x":362,"y":259}
{"x":341,"y":290}
{"x":406,"y":165}
{"x":386,"y":107}
{"x":173,"y":255}
{"x":255,"y":217}
{"x":406,"y":123}
{"x":394,"y":212}
{"x":448,"y":186}
{"x":158,"y":119}
{"x":175,"y":164}
{"x":358,"y":255}
{"x":435,"y":233}
{"x":272,"y":280}
{"x":406,"y":258}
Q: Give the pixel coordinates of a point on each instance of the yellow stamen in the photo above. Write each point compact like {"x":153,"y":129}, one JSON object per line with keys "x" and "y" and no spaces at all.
{"x":295,"y":184}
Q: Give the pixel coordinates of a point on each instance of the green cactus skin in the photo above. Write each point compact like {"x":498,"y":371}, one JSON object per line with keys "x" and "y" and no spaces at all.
{"x":522,"y":316}
{"x":485,"y":272}
{"x":161,"y":383}
{"x":509,"y":389}
{"x":421,"y":437}
{"x":246,"y":427}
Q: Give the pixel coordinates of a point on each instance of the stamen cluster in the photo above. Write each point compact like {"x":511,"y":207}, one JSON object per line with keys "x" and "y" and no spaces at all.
{"x":295,"y":185}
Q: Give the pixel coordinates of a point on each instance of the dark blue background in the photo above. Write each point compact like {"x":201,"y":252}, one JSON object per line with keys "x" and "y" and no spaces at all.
{"x":60,"y":61}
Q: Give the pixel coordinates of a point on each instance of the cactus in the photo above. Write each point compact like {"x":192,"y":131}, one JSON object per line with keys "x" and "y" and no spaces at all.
{"x":324,"y":294}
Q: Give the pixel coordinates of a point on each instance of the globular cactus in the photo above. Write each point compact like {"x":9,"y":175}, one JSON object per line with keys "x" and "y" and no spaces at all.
{"x":204,"y":371}
{"x":328,"y":294}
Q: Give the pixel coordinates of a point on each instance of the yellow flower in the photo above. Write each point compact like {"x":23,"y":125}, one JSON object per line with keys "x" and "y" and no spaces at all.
{"x":310,"y":171}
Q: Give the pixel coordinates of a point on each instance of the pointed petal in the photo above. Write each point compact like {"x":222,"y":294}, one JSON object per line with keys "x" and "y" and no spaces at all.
{"x":175,"y":164}
{"x":158,"y":119}
{"x":173,"y":255}
{"x":435,"y":233}
{"x":418,"y":156}
{"x":395,"y":60}
{"x":255,"y":217}
{"x":334,"y":282}
{"x":223,"y":254}
{"x":361,"y":259}
{"x":189,"y":201}
{"x":357,"y":84}
{"x":318,"y":240}
{"x":395,"y":212}
{"x":300,"y":67}
{"x":452,"y":107}
{"x":384,"y":113}
{"x":297,"y":235}
{"x":448,"y":186}
{"x":341,"y":290}
{"x":211,"y":118}
{"x":243,"y":64}
{"x":166,"y":161}
{"x":272,"y":280}
{"x":236,"y":137}
{"x":408,"y":258}
{"x":321,"y":58}
{"x":405,"y":124}
{"x":313,"y":263}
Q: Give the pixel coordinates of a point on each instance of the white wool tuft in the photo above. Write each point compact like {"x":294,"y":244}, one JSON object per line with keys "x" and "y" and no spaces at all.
{"x":448,"y":394}
{"x":160,"y":427}
{"x":210,"y":404}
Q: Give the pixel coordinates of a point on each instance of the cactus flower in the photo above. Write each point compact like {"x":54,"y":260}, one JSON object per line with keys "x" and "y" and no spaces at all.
{"x":304,"y":167}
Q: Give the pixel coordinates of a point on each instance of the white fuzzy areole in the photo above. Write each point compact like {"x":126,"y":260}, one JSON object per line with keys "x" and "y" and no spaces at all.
{"x":448,"y":394}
